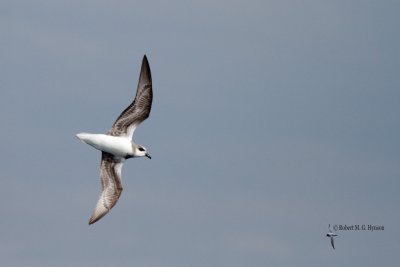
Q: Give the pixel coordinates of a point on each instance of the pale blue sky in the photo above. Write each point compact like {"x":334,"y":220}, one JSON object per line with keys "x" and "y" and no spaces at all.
{"x":270,"y":120}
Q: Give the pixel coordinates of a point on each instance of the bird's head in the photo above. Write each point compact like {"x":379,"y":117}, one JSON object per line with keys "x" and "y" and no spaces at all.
{"x":140,"y":151}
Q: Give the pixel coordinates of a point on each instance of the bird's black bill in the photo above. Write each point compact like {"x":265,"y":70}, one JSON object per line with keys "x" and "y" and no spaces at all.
{"x":147,"y":155}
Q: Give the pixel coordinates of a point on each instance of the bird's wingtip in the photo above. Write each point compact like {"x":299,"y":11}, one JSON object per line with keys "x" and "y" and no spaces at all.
{"x":93,"y":219}
{"x":145,"y":73}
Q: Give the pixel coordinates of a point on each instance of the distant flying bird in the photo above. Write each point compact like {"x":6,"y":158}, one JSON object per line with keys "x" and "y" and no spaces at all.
{"x":331,"y":235}
{"x":116,"y":146}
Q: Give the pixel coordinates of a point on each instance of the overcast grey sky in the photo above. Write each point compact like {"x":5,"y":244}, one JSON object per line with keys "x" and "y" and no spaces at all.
{"x":270,"y":120}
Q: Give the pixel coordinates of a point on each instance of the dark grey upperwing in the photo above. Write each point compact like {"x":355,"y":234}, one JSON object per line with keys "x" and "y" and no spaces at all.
{"x":139,"y":109}
{"x":111,"y":187}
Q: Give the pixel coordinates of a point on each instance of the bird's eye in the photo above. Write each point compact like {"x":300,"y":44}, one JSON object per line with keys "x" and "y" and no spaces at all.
{"x":141,"y":148}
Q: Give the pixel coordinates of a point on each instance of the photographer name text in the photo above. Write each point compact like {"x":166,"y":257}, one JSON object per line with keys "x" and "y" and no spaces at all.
{"x":358,"y":227}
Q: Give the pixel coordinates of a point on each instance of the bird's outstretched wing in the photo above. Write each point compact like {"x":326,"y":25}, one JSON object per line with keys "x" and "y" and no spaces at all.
{"x":110,"y":175}
{"x":332,"y":242}
{"x":139,"y":109}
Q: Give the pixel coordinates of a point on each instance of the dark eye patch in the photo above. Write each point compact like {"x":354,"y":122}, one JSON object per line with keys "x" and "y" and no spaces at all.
{"x":141,"y":148}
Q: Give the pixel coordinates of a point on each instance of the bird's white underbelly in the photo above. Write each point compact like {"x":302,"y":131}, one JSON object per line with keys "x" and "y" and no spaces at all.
{"x":118,"y":146}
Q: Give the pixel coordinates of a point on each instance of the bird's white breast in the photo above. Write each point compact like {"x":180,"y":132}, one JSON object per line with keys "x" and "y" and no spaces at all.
{"x":118,"y":146}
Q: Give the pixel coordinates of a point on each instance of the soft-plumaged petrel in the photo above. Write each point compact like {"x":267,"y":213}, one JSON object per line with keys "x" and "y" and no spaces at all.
{"x":331,"y":235}
{"x":116,"y":145}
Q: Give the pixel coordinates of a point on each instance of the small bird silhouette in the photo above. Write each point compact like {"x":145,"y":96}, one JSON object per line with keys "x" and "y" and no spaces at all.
{"x":331,"y":235}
